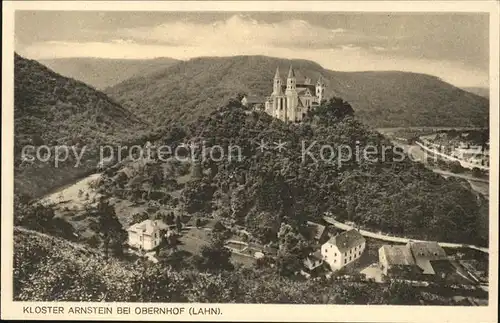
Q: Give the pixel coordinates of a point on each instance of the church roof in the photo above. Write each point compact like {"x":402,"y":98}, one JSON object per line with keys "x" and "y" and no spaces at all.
{"x":291,"y":72}
{"x":303,"y":87}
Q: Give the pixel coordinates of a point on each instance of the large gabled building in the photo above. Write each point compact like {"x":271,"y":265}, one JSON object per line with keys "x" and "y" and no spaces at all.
{"x":343,"y":249}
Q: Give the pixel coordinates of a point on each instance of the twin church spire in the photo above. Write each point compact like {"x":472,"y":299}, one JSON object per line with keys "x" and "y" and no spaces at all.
{"x":291,"y":73}
{"x":291,"y":82}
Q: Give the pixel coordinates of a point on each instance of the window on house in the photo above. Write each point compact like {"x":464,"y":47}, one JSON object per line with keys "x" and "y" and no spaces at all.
{"x":345,"y":261}
{"x":334,"y":260}
{"x":335,"y":254}
{"x":326,"y":250}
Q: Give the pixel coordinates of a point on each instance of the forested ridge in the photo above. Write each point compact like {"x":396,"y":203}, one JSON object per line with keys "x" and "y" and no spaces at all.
{"x":105,"y":72}
{"x":188,"y":89}
{"x":53,"y":110}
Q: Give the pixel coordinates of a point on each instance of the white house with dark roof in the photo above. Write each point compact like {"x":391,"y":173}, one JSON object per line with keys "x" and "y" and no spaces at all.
{"x":146,"y":235}
{"x":343,"y":249}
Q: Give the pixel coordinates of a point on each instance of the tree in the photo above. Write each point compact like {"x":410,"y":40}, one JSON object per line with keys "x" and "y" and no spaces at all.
{"x":197,"y":196}
{"x":476,"y":172}
{"x":111,"y":231}
{"x":263,"y":225}
{"x":215,"y":257}
{"x":178,"y":223}
{"x":219,"y":227}
{"x":293,"y":248}
{"x":153,"y":283}
{"x":333,"y":110}
{"x":456,"y":167}
{"x":169,"y":218}
{"x":139,"y":217}
{"x":401,"y":294}
{"x":196,"y":170}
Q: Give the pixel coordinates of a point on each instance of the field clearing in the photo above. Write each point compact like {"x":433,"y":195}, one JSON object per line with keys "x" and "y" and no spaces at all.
{"x":70,"y":195}
{"x":194,"y":239}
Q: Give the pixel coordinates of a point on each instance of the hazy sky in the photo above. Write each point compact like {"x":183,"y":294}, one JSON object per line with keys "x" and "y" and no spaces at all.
{"x":453,"y":47}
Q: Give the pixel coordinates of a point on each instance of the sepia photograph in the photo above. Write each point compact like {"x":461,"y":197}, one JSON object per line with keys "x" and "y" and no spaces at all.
{"x":164,"y":163}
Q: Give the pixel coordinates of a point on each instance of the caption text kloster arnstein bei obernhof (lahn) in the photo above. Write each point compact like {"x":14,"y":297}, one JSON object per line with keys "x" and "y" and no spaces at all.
{"x":109,"y":310}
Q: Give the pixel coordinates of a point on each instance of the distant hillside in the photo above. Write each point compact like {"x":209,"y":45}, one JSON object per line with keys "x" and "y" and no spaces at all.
{"x":481,"y":91}
{"x":192,"y":88}
{"x":102,"y":72}
{"x":52,"y":110}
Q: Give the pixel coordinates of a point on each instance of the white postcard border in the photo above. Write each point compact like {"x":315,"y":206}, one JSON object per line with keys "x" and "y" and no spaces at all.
{"x":254,"y":312}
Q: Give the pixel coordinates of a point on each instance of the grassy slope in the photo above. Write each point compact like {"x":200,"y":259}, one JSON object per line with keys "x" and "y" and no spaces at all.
{"x":189,"y":89}
{"x":102,"y":72}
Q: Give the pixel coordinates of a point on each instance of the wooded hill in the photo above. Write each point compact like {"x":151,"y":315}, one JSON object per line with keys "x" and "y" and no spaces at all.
{"x":52,"y":110}
{"x":193,"y":88}
{"x":104,"y":72}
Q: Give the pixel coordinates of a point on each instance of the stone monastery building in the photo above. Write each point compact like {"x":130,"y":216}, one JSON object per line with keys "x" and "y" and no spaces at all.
{"x":292,"y":101}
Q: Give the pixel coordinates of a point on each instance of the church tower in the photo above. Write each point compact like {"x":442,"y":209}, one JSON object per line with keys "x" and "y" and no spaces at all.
{"x":277,"y":83}
{"x":291,"y":96}
{"x":320,"y":89}
{"x":291,"y":82}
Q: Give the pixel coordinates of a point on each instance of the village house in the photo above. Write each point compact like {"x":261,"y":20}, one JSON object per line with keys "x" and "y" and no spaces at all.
{"x":251,"y":101}
{"x":146,"y":235}
{"x":425,"y":253}
{"x":319,"y":233}
{"x":343,"y":249}
{"x":313,"y":262}
{"x":397,"y":260}
{"x":423,"y":260}
{"x":410,"y":257}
